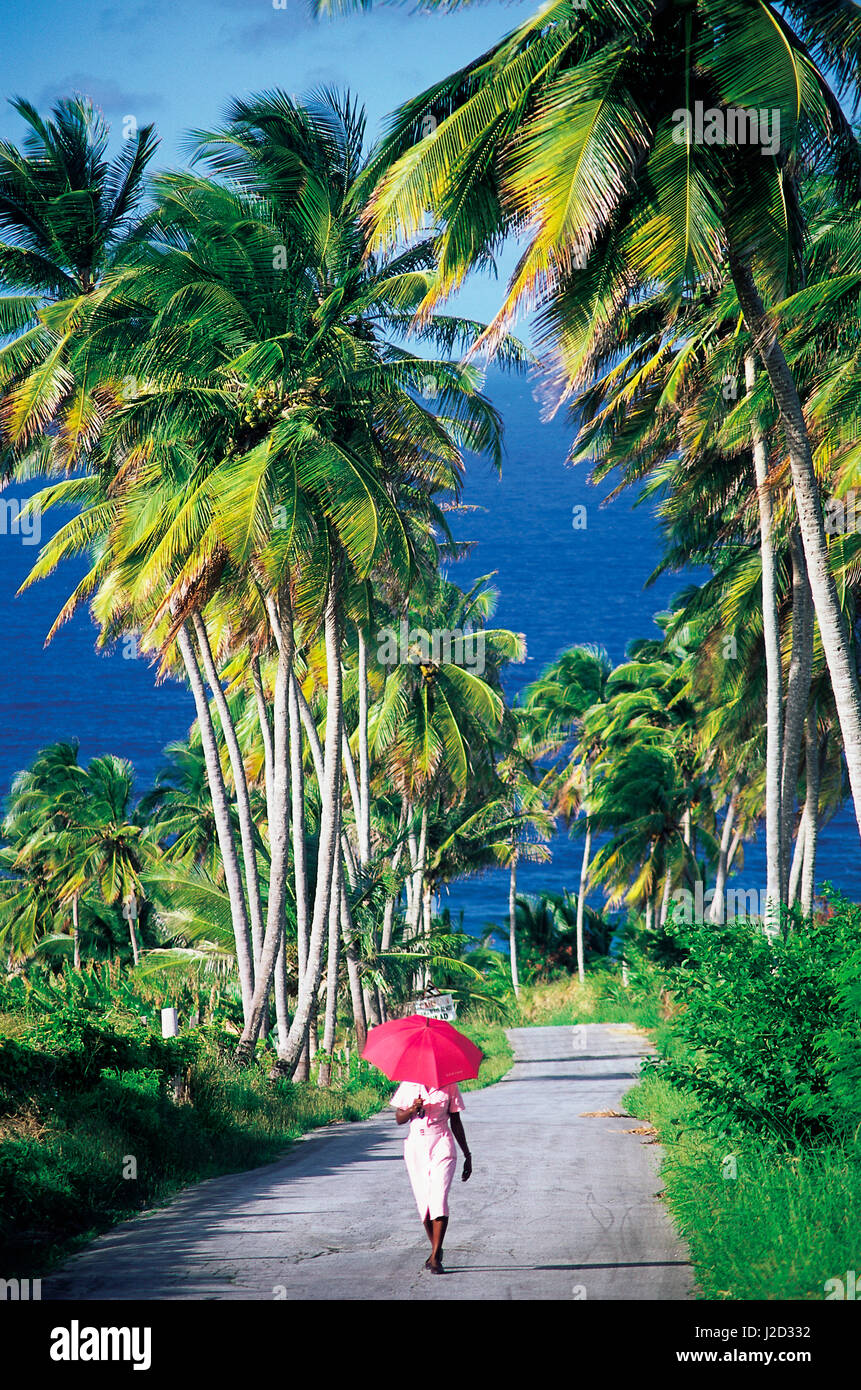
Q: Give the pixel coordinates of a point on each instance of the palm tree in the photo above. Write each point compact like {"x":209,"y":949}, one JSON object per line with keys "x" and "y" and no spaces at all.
{"x":179,"y":808}
{"x":43,"y":802}
{"x":67,"y":215}
{"x":314,"y":461}
{"x":677,"y":395}
{"x":546,"y":924}
{"x":560,"y":700}
{"x":577,"y":132}
{"x":75,"y":836}
{"x":104,"y":845}
{"x":525,"y":792}
{"x":439,"y":713}
{"x":640,"y":801}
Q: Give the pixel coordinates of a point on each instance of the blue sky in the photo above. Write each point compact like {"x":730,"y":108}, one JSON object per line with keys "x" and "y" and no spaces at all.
{"x":178,"y":62}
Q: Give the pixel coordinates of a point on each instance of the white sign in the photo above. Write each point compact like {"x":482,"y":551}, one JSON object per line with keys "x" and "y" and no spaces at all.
{"x":437,"y":1006}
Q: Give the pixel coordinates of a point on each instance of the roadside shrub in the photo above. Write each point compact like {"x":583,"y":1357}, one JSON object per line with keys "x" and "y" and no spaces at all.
{"x":842,"y":1044}
{"x":769,"y":1030}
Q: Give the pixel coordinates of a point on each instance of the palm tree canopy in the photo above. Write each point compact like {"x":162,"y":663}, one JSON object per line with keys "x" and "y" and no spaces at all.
{"x":575,"y":134}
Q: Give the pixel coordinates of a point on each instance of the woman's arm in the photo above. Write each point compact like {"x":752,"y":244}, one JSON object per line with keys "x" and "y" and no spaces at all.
{"x":402,"y":1116}
{"x":458,"y":1132}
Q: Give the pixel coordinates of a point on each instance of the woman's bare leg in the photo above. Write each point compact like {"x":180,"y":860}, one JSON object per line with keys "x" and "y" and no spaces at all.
{"x":439,"y":1225}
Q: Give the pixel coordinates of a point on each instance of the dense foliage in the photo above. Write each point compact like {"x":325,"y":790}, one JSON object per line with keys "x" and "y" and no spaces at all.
{"x":767,"y":1032}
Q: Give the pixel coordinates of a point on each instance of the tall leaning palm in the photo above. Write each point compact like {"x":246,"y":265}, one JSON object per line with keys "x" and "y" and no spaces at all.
{"x":316,"y":475}
{"x":254,"y":326}
{"x":579,"y":132}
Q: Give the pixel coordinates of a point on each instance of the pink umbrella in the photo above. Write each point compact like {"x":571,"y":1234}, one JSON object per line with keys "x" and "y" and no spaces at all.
{"x":426,"y":1050}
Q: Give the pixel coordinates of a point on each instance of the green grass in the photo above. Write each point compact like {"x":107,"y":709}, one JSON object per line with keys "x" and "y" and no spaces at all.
{"x":602,"y":998}
{"x":489,"y":1035}
{"x":779,"y":1229}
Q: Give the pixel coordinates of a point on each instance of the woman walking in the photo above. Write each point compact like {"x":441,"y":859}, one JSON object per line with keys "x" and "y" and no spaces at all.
{"x":433,"y":1115}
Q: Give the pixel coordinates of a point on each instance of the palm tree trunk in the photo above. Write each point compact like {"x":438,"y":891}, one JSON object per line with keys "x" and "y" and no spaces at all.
{"x":329,"y":837}
{"x":427,"y":922}
{"x":354,"y":974}
{"x":364,"y":757}
{"x":311,"y":733}
{"x":364,"y":822}
{"x":352,"y":783}
{"x":832,"y":627}
{"x":279,"y":853}
{"x":278,"y":621}
{"x":76,"y":938}
{"x":512,"y":923}
{"x":581,"y":900}
{"x":418,"y":881}
{"x":240,"y":783}
{"x":797,"y":692}
{"x":221,"y":814}
{"x":373,"y":1005}
{"x":797,"y":860}
{"x":775,"y":876}
{"x":391,"y":902}
{"x":282,"y":996}
{"x":665,"y":900}
{"x":265,"y":734}
{"x":368,"y":1009}
{"x":333,"y":968}
{"x":418,"y":892}
{"x":717,"y":912}
{"x":317,"y":758}
{"x":136,"y":955}
{"x":408,"y":893}
{"x":282,"y":999}
{"x":811,"y":810}
{"x":300,"y":864}
{"x":410,"y":884}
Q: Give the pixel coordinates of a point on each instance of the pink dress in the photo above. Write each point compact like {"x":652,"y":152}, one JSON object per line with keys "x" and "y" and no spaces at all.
{"x":429,"y":1148}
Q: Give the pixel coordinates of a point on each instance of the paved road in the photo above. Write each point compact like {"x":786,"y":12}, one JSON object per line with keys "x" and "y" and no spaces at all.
{"x":560,"y":1206}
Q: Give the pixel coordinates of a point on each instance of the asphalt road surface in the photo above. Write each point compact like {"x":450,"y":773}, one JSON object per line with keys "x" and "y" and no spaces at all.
{"x":561,"y":1204}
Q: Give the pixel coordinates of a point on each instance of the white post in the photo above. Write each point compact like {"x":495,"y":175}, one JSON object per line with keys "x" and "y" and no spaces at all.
{"x":169,"y":1023}
{"x":170,"y":1029}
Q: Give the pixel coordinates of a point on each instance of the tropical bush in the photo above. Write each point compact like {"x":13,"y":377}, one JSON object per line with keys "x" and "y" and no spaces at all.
{"x":768,"y":1029}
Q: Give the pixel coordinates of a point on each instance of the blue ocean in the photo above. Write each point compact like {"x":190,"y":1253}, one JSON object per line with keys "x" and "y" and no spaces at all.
{"x":559,"y":583}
